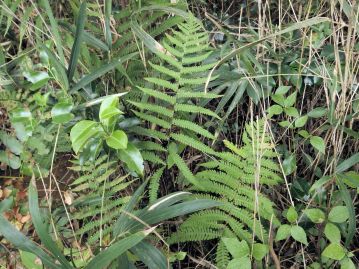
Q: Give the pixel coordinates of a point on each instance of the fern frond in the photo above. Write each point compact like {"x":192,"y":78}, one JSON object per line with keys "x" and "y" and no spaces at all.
{"x":185,"y":124}
{"x":194,"y":143}
{"x":153,"y":108}
{"x":155,"y":184}
{"x":159,"y":95}
{"x":195,"y":109}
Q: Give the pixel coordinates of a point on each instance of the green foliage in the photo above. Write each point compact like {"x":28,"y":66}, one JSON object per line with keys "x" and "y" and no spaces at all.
{"x":230,"y":180}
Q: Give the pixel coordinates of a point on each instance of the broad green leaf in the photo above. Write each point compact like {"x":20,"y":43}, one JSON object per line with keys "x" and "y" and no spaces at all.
{"x":133,"y":158}
{"x":117,"y":140}
{"x":317,"y":112}
{"x":299,"y":234}
{"x":315,"y":215}
{"x":61,"y":112}
{"x":291,"y":111}
{"x":275,"y":110}
{"x":282,"y":90}
{"x":334,"y":251}
{"x":75,"y":51}
{"x":318,"y":143}
{"x":283,"y":232}
{"x":10,"y":159}
{"x":289,"y":164}
{"x":108,"y":109}
{"x":242,"y":263}
{"x":11,"y":143}
{"x":82,"y":132}
{"x":332,"y":233}
{"x":260,"y":251}
{"x":236,"y":248}
{"x":290,"y":100}
{"x":347,"y":263}
{"x":38,"y":79}
{"x":338,"y":214}
{"x":301,"y":121}
{"x":279,"y":99}
{"x":304,"y":133}
{"x":30,"y":261}
{"x":105,"y":257}
{"x":292,"y":215}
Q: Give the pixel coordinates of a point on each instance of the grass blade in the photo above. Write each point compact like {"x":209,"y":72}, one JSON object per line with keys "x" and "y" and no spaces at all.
{"x":58,"y":67}
{"x":108,"y":10}
{"x":41,"y":228}
{"x":75,"y":52}
{"x":55,"y":30}
{"x":147,"y":39}
{"x":100,"y":72}
{"x":20,"y":241}
{"x":87,"y":37}
{"x":104,"y":258}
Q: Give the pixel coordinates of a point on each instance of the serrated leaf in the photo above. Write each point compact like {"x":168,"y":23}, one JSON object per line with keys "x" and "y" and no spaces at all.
{"x":338,"y":214}
{"x":318,"y":143}
{"x":317,"y":112}
{"x":235,"y":247}
{"x":292,"y":215}
{"x":301,"y":121}
{"x":334,"y":251}
{"x":283,"y":232}
{"x":259,"y":251}
{"x":282,"y":89}
{"x":275,"y":110}
{"x":291,"y":111}
{"x":299,"y":234}
{"x":332,"y":233}
{"x":315,"y":215}
{"x":290,"y":100}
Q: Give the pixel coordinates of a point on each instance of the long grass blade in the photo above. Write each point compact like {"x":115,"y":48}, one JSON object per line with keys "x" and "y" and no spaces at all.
{"x":75,"y":52}
{"x":55,"y":30}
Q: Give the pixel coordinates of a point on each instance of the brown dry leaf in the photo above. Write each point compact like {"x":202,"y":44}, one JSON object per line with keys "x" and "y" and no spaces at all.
{"x":25,"y":218}
{"x":69,"y":197}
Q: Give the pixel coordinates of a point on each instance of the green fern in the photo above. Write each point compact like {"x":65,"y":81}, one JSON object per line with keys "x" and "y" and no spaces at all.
{"x":231,"y":180}
{"x":169,"y":105}
{"x":94,"y":180}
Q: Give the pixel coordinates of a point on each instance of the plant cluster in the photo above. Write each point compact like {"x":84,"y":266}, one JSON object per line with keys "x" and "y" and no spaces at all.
{"x":179,"y":134}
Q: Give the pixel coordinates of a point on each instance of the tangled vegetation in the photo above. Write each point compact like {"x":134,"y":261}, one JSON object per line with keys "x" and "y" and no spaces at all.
{"x":179,"y":134}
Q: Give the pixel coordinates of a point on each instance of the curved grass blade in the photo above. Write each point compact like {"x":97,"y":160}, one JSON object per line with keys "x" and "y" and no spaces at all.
{"x":55,"y":30}
{"x":147,"y":39}
{"x":58,"y":67}
{"x":87,"y":37}
{"x":22,"y":242}
{"x":41,"y":228}
{"x":100,"y":72}
{"x":75,"y":52}
{"x":104,"y":258}
{"x":108,"y":9}
{"x":349,"y":204}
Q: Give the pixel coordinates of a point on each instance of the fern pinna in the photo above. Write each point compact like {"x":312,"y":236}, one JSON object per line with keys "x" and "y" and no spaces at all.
{"x":169,"y":102}
{"x":237,"y":180}
{"x":98,"y":201}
